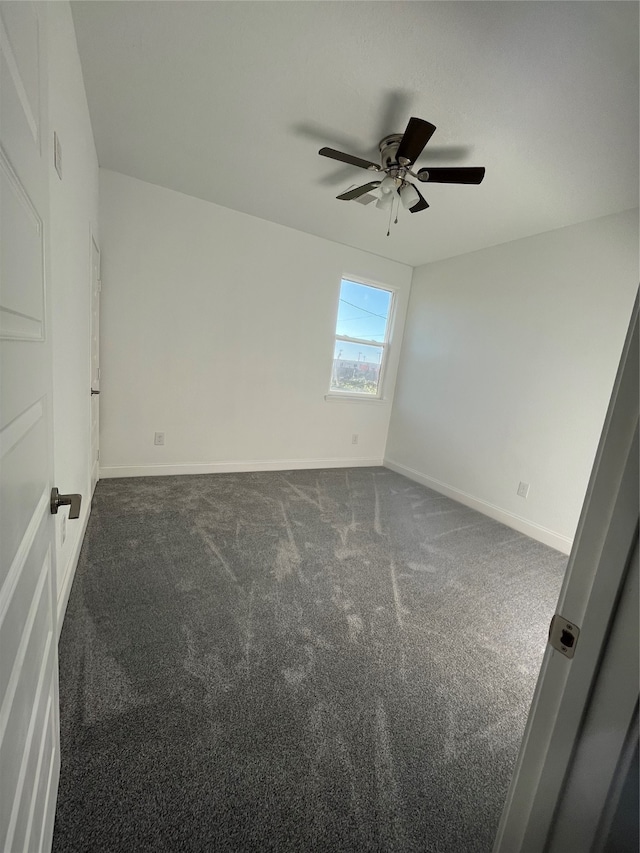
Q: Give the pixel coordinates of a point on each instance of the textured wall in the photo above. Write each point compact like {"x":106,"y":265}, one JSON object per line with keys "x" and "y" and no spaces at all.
{"x":508,"y":362}
{"x":217,"y":329}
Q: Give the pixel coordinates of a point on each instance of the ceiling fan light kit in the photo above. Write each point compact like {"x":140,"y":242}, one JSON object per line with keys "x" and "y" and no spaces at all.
{"x":409,"y":196}
{"x":389,"y":185}
{"x":398,"y":153}
{"x":385,"y":201}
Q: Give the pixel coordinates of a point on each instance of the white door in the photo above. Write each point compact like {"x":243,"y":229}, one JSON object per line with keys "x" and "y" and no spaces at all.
{"x":29,"y":738}
{"x":95,"y":362}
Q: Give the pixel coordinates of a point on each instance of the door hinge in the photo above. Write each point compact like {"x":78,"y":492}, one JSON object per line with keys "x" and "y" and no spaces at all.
{"x":563,"y":635}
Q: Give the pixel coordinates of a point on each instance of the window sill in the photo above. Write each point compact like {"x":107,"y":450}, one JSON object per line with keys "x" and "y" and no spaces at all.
{"x":352,"y":398}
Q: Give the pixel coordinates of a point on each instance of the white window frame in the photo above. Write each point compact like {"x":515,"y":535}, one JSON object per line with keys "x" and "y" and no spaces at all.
{"x":384,"y":345}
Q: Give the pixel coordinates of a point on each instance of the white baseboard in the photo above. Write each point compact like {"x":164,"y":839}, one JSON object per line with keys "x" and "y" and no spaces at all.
{"x":234,"y":467}
{"x":70,"y":571}
{"x":522,"y":525}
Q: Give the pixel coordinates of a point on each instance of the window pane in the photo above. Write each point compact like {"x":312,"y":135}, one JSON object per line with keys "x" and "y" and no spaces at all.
{"x":356,"y":368}
{"x":363,"y":311}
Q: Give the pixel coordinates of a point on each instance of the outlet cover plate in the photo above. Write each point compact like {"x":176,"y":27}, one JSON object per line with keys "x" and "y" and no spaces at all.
{"x":523,"y":490}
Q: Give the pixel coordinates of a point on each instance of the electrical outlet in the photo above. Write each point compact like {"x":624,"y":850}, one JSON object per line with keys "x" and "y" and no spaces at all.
{"x":63,"y":528}
{"x":523,"y":490}
{"x":158,"y":438}
{"x":354,"y":438}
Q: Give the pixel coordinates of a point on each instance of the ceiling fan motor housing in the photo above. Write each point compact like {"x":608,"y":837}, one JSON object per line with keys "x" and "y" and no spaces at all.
{"x":388,"y":150}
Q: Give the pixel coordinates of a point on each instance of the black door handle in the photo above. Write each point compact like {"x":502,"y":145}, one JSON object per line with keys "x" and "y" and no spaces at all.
{"x":72,"y":501}
{"x":94,"y":392}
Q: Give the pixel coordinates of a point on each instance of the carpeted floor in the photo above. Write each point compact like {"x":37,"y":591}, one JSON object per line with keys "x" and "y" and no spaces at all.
{"x":337,"y":660}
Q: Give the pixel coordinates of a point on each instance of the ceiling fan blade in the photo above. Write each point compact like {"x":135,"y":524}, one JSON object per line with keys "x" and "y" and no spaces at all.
{"x":444,"y":175}
{"x":419,"y":205}
{"x":367,"y":198}
{"x":358,"y":191}
{"x":348,"y":158}
{"x":416,"y":136}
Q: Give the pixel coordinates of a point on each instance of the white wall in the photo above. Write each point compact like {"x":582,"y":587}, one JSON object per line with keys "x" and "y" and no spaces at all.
{"x":217,"y":329}
{"x":73,"y":212}
{"x":508,"y":363}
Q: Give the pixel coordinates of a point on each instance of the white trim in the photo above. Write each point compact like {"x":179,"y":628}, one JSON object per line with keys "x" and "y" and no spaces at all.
{"x":27,"y":632}
{"x":49,"y":815}
{"x":94,"y":464}
{"x":15,"y":325}
{"x":18,"y":327}
{"x":344,"y":397}
{"x":523,"y":525}
{"x":28,"y":746}
{"x":366,"y":342}
{"x":15,"y":431}
{"x":14,"y":71}
{"x":19,"y":189}
{"x":46,"y":729}
{"x":234,"y":467}
{"x":13,"y":575}
{"x":588,"y":800}
{"x":70,"y":571}
{"x":369,"y":282}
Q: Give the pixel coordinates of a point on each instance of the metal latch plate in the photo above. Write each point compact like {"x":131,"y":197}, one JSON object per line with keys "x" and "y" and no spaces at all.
{"x":563,"y":635}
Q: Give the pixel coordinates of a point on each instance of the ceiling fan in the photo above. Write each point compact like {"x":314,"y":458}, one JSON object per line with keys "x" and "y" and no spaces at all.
{"x":398,"y":153}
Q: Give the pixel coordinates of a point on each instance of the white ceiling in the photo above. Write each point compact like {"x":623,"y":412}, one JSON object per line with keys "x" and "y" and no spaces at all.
{"x":230,"y":102}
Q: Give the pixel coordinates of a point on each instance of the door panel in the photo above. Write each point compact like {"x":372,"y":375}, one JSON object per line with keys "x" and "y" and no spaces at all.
{"x":43,"y":799}
{"x":22,"y":485}
{"x":29,"y":739}
{"x":22,"y":260}
{"x":29,"y":690}
{"x":24,"y":587}
{"x":20,"y":40}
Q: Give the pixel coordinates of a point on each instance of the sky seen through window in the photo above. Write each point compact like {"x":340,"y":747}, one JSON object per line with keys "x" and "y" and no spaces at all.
{"x":362,"y":313}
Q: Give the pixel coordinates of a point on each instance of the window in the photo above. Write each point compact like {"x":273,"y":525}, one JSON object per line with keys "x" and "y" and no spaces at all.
{"x":362,"y":332}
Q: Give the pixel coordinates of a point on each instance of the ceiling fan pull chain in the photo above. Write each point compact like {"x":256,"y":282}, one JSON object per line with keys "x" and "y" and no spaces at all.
{"x":390,"y":215}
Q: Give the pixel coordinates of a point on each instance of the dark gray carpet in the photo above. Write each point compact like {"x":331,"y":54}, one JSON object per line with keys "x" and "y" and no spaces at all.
{"x":336,"y":660}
